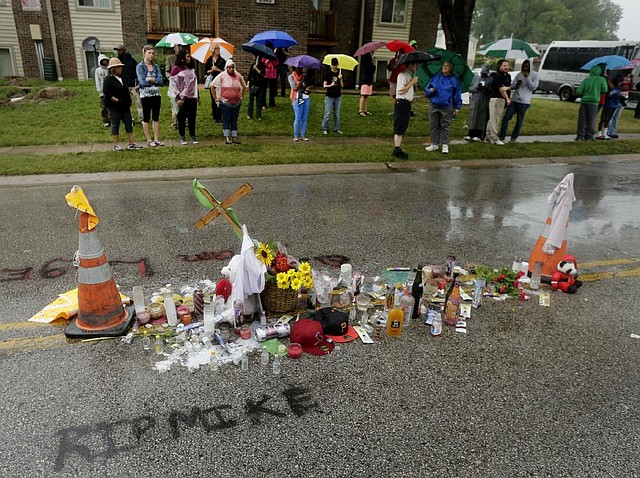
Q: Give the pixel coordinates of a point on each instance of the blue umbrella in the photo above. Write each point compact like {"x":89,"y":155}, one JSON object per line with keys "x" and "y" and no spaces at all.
{"x":613,"y":62}
{"x":277,"y":38}
{"x":259,"y":49}
{"x":303,"y":61}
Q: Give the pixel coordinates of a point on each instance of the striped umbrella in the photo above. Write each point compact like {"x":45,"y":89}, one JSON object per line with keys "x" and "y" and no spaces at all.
{"x":173,"y":39}
{"x":509,"y":48}
{"x":202,"y":50}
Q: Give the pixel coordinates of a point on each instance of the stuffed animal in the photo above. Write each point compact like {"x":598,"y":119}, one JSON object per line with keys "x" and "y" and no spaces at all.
{"x":565,"y":278}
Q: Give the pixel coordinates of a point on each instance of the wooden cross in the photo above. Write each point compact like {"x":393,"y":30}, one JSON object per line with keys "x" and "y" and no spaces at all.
{"x":220,"y":208}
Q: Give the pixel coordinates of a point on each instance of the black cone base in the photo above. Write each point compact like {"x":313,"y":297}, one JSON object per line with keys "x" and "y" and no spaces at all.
{"x":74,"y":332}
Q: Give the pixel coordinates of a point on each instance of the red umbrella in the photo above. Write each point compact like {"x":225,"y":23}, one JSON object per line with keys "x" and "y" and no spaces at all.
{"x":396,"y":45}
{"x":368,"y":48}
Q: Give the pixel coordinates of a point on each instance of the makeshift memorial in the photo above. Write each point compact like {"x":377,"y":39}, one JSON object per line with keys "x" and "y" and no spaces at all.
{"x":335,"y":324}
{"x":284,"y":278}
{"x":310,"y":335}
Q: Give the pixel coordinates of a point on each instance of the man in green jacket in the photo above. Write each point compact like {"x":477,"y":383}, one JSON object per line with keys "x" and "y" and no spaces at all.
{"x":589,"y":92}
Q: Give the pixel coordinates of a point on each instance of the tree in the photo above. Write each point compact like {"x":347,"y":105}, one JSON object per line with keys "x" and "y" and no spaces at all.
{"x":456,"y":17}
{"x":542,"y":21}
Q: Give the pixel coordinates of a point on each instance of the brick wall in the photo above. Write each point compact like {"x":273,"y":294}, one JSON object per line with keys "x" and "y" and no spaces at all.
{"x":424,"y":23}
{"x":241,"y":19}
{"x":134,"y":25}
{"x":62,"y":25}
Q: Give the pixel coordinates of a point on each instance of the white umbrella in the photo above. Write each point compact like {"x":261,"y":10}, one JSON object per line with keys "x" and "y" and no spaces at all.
{"x":202,"y":50}
{"x":509,"y":48}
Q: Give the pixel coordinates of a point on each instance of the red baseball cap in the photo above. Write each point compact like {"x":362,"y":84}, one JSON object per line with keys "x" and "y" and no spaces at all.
{"x":335,"y":324}
{"x":309,"y":334}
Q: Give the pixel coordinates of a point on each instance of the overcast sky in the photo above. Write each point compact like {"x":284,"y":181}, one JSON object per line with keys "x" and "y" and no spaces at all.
{"x":630,"y":20}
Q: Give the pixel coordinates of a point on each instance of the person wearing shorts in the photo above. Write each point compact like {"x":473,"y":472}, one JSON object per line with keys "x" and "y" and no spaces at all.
{"x":149,"y":79}
{"x":367,"y":70}
{"x":402,"y":108}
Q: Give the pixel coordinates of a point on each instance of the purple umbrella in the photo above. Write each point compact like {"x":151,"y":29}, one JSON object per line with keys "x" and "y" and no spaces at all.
{"x":369,"y":47}
{"x":277,"y":38}
{"x":303,"y":61}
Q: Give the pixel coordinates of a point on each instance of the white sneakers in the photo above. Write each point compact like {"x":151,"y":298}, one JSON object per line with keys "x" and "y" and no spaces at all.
{"x":445,"y":149}
{"x":433,"y":147}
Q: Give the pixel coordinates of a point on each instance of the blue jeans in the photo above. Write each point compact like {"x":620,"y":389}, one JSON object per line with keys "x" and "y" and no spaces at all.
{"x":514,"y":108}
{"x":613,"y":123}
{"x":301,"y":116}
{"x":230,"y":119}
{"x":328,"y":104}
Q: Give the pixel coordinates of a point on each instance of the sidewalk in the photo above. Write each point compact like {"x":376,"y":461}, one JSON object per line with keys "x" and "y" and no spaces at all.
{"x":328,"y":140}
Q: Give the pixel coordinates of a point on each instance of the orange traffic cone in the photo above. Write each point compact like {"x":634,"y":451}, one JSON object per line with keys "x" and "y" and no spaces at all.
{"x":551,"y":246}
{"x":100,"y":309}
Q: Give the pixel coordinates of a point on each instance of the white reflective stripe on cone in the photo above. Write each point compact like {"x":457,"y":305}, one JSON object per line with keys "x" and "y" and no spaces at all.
{"x":89,"y":246}
{"x":94,"y":275}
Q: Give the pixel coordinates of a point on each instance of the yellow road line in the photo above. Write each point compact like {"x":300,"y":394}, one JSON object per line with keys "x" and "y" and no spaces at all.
{"x":30,"y":343}
{"x":22,"y":325}
{"x":609,"y":275}
{"x":611,"y":262}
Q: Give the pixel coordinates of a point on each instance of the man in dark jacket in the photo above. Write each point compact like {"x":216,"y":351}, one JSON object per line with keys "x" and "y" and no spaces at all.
{"x":499,"y":100}
{"x":129,"y":77}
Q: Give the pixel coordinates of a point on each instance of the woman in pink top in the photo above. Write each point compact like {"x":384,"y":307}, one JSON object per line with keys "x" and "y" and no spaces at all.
{"x":227,"y":90}
{"x":271,"y":77}
{"x":183,"y":85}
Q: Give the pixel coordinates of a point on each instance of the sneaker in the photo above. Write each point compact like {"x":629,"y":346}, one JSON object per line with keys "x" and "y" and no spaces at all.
{"x":159,"y":143}
{"x":433,"y":147}
{"x":467,"y":138}
{"x":367,"y":113}
{"x":152,"y":144}
{"x":295,"y":139}
{"x":305,"y":139}
{"x":512,"y":140}
{"x":106,"y":125}
{"x":117,"y":147}
{"x":476,"y":139}
{"x":235,"y":140}
{"x":194,"y":140}
{"x":613,"y":136}
{"x":134,"y":146}
{"x":445,"y":149}
{"x":324,"y":132}
{"x":498,"y":142}
{"x":398,"y":153}
{"x":183,"y":140}
{"x":227,"y":140}
{"x":338,"y":131}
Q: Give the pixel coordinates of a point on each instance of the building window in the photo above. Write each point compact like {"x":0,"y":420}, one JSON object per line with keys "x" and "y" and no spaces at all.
{"x":6,"y":63}
{"x":105,"y":4}
{"x":393,"y":11}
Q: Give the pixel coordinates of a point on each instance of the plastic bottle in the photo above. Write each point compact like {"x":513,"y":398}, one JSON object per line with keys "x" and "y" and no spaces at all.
{"x":213,"y":361}
{"x":207,"y":341}
{"x":395,"y":322}
{"x":276,"y":366}
{"x":353,"y":313}
{"x":452,"y":305}
{"x":244,"y":362}
{"x":407,"y":303}
{"x":146,"y":341}
{"x":416,"y":292}
{"x":264,"y":358}
{"x":169,"y":306}
{"x":159,"y":345}
{"x":536,"y":274}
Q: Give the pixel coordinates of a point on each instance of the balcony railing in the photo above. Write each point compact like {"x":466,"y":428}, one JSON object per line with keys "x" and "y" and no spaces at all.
{"x":166,"y":16}
{"x":323,"y":26}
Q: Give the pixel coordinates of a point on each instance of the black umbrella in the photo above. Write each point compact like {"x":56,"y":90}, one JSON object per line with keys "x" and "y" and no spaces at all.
{"x":259,"y":49}
{"x":417,"y":57}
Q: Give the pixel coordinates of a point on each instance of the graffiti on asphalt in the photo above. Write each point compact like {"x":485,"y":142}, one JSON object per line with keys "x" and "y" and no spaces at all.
{"x":332,"y":260}
{"x":58,"y":267}
{"x":107,"y":439}
{"x":208,"y":256}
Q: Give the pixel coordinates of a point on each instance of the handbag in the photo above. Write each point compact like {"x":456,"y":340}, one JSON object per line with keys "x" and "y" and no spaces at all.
{"x":208,"y":80}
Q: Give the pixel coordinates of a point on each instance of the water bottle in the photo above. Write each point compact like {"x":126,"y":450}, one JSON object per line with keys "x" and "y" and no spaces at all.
{"x":276,"y":366}
{"x":536,"y":274}
{"x":146,"y":341}
{"x":244,"y":363}
{"x":264,"y":358}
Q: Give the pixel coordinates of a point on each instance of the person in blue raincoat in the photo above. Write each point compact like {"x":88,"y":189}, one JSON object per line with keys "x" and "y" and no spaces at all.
{"x":444,"y":92}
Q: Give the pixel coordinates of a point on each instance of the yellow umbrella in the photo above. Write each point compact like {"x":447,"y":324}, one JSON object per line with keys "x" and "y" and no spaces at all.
{"x":344,"y":61}
{"x":203,"y":49}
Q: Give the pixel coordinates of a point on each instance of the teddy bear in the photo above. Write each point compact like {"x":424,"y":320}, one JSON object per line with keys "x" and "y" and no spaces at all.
{"x":565,"y":278}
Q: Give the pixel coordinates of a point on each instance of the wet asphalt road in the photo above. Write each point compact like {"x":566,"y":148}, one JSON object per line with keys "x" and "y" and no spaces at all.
{"x":528,"y":391}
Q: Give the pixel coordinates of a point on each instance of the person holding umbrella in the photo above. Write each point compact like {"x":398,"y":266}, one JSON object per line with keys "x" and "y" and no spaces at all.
{"x":367,"y":70}
{"x":444,"y":92}
{"x":214,"y":66}
{"x":402,"y":108}
{"x":333,"y":84}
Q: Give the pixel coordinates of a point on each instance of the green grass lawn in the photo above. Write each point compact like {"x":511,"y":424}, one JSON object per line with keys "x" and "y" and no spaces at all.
{"x":76,"y":120}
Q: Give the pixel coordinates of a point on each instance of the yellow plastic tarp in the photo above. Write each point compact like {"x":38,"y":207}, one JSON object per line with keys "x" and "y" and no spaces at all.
{"x":64,"y":307}
{"x":77,"y":199}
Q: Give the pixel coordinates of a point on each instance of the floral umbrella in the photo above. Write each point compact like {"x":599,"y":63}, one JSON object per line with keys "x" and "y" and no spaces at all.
{"x":173,"y":39}
{"x":202,"y":50}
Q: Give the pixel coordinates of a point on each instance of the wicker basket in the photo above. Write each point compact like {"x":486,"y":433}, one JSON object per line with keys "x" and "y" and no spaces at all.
{"x":277,"y":300}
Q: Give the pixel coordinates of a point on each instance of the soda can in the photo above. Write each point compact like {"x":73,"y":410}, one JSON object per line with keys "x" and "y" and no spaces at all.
{"x":272,"y":331}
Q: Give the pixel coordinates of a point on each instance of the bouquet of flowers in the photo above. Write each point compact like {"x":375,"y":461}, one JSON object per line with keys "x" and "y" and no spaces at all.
{"x":287,"y":271}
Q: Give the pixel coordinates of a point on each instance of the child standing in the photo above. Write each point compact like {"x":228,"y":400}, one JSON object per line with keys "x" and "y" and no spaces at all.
{"x":100,"y":74}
